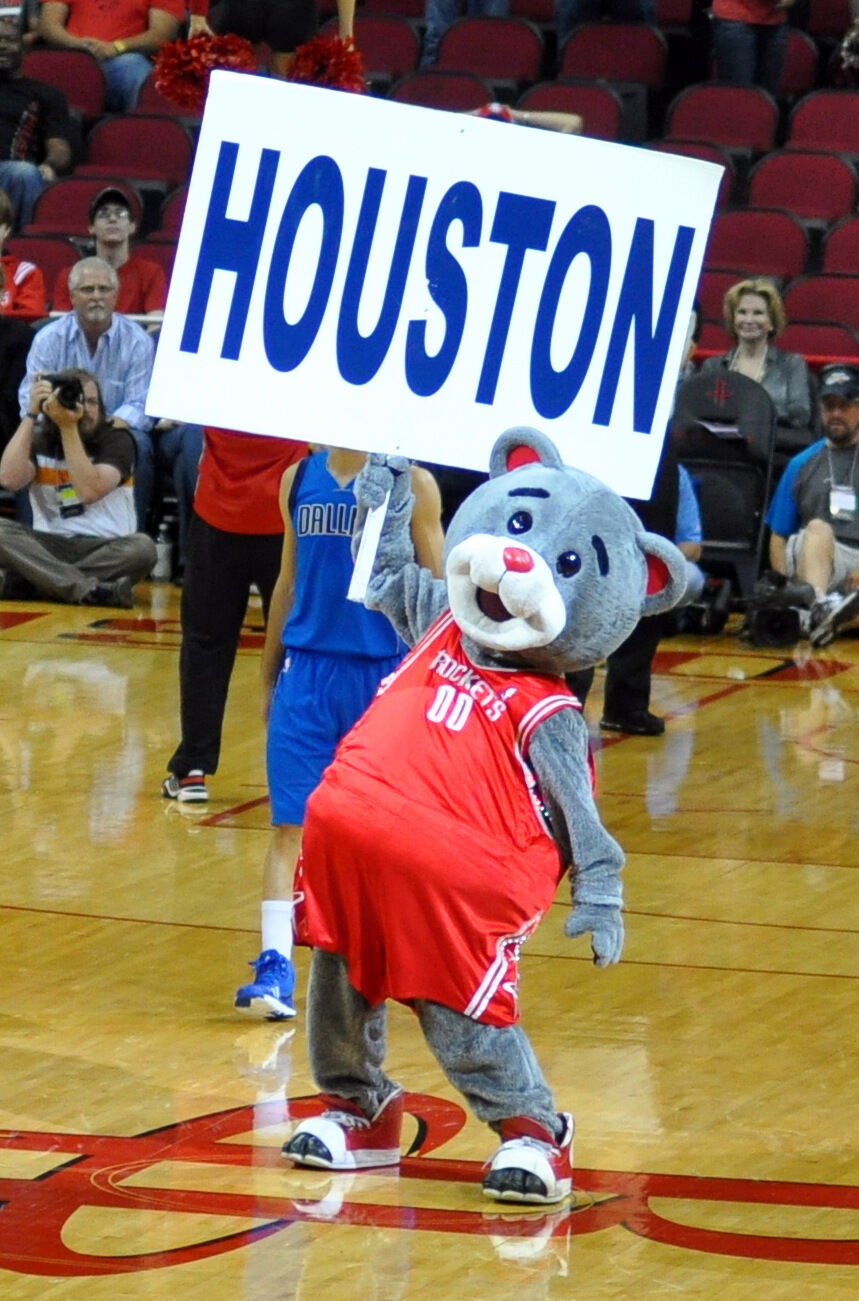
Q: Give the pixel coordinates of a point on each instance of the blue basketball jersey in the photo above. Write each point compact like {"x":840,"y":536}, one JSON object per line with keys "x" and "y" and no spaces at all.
{"x":322,"y":619}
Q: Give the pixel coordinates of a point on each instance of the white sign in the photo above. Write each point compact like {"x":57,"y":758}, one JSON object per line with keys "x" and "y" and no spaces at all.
{"x":357,"y":272}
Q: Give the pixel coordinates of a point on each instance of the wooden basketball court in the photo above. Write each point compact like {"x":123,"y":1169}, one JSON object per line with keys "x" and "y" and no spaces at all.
{"x":713,"y":1073}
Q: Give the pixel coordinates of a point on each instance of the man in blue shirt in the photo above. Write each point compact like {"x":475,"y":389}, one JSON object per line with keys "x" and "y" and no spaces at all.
{"x":814,"y":518}
{"x":119,"y":353}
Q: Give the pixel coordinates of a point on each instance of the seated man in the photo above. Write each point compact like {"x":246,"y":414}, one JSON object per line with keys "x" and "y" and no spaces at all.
{"x":122,"y":35}
{"x":36,"y":132}
{"x":142,"y":285}
{"x":83,"y":548}
{"x":814,"y":513}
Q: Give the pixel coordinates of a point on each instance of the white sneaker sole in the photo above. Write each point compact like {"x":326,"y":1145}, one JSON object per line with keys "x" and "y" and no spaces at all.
{"x":266,"y":1006}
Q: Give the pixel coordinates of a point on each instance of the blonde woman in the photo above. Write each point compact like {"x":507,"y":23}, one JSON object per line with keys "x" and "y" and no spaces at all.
{"x":754,"y":315}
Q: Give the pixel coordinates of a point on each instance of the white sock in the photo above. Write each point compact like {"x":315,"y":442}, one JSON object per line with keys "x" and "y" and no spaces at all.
{"x":277,"y":925}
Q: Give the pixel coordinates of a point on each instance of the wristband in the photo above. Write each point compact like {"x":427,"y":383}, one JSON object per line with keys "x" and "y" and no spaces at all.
{"x":120,"y":47}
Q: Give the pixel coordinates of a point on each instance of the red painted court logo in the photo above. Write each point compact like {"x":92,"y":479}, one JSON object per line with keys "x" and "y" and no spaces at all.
{"x":113,"y":1173}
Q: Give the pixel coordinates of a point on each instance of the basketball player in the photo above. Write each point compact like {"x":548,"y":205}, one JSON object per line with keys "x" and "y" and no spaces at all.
{"x":323,"y":660}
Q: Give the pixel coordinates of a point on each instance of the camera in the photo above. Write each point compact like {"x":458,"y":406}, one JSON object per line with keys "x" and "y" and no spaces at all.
{"x":777,"y":612}
{"x":70,"y":390}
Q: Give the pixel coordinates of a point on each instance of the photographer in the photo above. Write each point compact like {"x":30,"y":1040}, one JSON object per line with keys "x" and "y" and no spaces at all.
{"x":82,"y":547}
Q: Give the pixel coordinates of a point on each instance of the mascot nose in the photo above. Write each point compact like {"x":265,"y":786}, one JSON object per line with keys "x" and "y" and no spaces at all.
{"x":517,"y":559}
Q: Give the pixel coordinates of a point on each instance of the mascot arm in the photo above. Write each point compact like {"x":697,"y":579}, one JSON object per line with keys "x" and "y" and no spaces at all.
{"x":403,"y":590}
{"x":559,"y":757}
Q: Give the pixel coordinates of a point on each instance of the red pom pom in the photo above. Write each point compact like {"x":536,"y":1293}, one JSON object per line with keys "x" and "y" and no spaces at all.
{"x":182,"y":68}
{"x":329,"y":61}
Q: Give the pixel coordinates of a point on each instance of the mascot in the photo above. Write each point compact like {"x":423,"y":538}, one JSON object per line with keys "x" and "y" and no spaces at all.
{"x":437,"y":838}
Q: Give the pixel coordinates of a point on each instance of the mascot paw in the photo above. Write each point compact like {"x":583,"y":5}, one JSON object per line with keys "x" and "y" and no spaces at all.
{"x":382,"y":475}
{"x":605,"y":924}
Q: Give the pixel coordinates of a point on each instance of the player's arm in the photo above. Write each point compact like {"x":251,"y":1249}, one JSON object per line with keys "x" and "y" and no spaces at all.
{"x":281,"y":599}
{"x":427,"y":532}
{"x":778,"y":553}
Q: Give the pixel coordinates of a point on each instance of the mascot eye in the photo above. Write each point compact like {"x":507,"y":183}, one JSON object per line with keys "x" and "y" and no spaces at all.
{"x":568,"y":563}
{"x":521,"y":522}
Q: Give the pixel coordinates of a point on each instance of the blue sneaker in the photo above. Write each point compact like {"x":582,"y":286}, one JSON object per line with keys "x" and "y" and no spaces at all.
{"x":270,"y":993}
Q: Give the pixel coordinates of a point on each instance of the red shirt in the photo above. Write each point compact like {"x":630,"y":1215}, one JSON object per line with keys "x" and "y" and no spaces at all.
{"x":426,"y":861}
{"x":24,"y":290}
{"x":238,"y":489}
{"x":113,"y":20}
{"x":759,"y":12}
{"x":142,"y":288}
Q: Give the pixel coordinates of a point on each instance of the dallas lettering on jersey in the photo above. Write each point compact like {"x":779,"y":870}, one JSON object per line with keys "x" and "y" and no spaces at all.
{"x":464,"y":676}
{"x":519,"y":222}
{"x":327,"y":519}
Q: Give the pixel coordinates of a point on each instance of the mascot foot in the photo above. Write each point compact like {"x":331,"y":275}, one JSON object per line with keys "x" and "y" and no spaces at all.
{"x":531,"y":1165}
{"x":343,"y":1138}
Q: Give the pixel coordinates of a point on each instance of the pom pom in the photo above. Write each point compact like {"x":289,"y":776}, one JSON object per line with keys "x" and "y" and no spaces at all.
{"x":182,"y":68}
{"x":496,"y":112}
{"x":329,"y":61}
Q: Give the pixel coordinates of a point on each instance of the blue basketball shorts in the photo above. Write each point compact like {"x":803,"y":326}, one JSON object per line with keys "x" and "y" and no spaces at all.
{"x":316,"y":700}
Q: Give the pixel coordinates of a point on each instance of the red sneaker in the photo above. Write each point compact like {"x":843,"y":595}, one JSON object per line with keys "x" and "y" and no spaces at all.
{"x":343,"y":1138}
{"x":531,"y":1165}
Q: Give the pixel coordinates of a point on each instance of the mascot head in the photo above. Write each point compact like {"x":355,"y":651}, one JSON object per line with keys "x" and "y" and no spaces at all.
{"x":546,"y":567}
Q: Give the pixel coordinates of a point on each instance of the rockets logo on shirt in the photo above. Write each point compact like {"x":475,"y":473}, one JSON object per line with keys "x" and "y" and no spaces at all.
{"x":465,"y":677}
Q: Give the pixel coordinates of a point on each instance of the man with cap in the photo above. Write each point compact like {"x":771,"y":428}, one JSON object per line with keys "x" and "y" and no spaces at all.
{"x":36,"y":132}
{"x":142,"y":285}
{"x":814,"y":514}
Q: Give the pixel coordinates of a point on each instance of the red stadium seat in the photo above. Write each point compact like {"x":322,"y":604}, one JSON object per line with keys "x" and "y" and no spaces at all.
{"x":824,"y":298}
{"x":499,"y":49}
{"x":145,"y":149}
{"x":50,"y":253}
{"x":458,"y":92}
{"x":819,"y":339}
{"x":389,"y":43}
{"x":799,"y":75}
{"x":712,"y":288}
{"x":829,"y":18}
{"x":599,"y":106}
{"x":841,"y":249}
{"x":816,"y":187}
{"x":172,"y":212}
{"x":742,"y":118}
{"x":827,"y":121}
{"x":768,"y":241}
{"x":77,"y":73}
{"x":633,"y":52}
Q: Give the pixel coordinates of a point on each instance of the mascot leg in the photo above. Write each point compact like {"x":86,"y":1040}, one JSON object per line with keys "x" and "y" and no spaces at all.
{"x":494,"y":1067}
{"x":347,"y":1040}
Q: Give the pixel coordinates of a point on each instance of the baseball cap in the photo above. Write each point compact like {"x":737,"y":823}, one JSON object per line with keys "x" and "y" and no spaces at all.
{"x":839,"y":381}
{"x":110,"y":194}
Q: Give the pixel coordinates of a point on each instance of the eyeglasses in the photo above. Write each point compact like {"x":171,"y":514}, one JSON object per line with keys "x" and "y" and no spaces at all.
{"x":111,"y":213}
{"x":89,"y":290}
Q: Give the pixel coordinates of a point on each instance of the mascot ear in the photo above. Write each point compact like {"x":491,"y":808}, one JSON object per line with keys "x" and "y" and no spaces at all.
{"x":522,"y":446}
{"x":666,"y":573}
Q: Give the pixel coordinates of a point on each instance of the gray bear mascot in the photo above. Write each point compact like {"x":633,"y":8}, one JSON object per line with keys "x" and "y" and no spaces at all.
{"x":437,"y":838}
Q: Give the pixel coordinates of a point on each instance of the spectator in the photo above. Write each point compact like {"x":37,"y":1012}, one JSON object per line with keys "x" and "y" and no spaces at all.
{"x":15,"y":340}
{"x":570,"y":124}
{"x":235,"y":539}
{"x":36,"y":132}
{"x":142,"y":285}
{"x":280,"y":26}
{"x":750,"y":41}
{"x":122,"y":35}
{"x":754,"y":315}
{"x":813,"y":517}
{"x":23,"y":283}
{"x":93,"y":336}
{"x":323,"y":660}
{"x":441,"y":14}
{"x":78,"y":465}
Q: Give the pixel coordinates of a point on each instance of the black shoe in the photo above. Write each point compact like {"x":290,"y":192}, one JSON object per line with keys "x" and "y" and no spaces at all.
{"x":830,"y":615}
{"x":120,"y":594}
{"x":641,"y":723}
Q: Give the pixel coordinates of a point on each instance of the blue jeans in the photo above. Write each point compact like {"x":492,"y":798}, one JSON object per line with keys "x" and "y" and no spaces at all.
{"x":124,"y":75}
{"x":177,"y":452}
{"x":440,"y":14}
{"x":570,"y":12}
{"x":750,"y":54}
{"x":23,"y":182}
